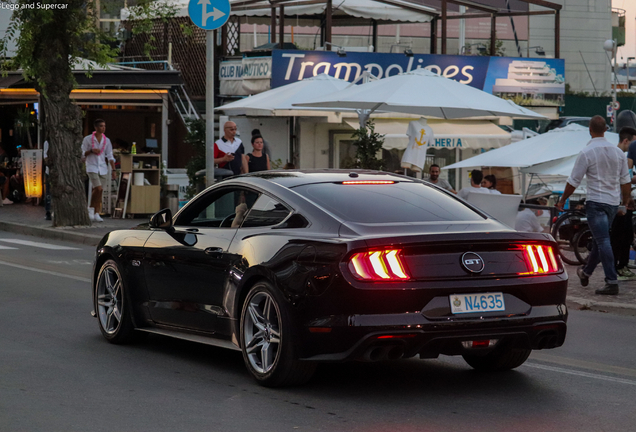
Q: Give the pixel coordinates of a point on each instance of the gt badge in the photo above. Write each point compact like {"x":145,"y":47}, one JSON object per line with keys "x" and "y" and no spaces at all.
{"x":136,"y":263}
{"x":472,"y":262}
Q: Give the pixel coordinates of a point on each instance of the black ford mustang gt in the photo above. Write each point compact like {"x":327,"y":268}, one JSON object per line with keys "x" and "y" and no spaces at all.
{"x":298,"y":267}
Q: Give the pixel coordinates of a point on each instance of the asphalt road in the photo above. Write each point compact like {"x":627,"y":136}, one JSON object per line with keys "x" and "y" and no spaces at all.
{"x":58,"y":374}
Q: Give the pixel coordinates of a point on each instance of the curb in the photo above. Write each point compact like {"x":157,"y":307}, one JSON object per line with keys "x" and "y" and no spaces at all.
{"x":51,"y":233}
{"x":592,"y":303}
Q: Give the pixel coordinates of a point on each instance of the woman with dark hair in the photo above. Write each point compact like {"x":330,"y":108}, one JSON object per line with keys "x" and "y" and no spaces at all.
{"x":490,"y":182}
{"x":257,"y":160}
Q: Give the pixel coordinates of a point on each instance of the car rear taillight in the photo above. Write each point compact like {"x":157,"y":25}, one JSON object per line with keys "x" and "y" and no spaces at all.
{"x":540,"y":259}
{"x":379,"y":265}
{"x":368,"y":182}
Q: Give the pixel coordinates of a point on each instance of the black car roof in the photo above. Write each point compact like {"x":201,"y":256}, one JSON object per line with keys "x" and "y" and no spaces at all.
{"x":292,"y":178}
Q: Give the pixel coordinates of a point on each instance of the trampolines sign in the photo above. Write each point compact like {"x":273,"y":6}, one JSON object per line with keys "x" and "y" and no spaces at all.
{"x":509,"y":76}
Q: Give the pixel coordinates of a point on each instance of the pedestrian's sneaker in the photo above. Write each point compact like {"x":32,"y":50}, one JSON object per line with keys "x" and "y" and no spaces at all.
{"x":91,"y":213}
{"x":625,"y":274}
{"x":97,"y":218}
{"x":7,"y":201}
{"x":608,"y":289}
{"x":585,"y":279}
{"x":631,"y":264}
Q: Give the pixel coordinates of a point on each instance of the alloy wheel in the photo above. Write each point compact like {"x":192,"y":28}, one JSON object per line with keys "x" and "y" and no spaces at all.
{"x":109,"y":300}
{"x":261,"y":332}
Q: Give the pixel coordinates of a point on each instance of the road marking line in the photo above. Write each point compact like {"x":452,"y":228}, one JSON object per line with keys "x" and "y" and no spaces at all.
{"x":582,"y":374}
{"x":7,"y":247}
{"x":38,"y":244}
{"x":582,"y":364}
{"x":79,"y":278}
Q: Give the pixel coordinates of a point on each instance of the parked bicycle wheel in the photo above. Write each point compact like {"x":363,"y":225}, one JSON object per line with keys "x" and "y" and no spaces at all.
{"x":582,"y":244}
{"x":564,"y":229}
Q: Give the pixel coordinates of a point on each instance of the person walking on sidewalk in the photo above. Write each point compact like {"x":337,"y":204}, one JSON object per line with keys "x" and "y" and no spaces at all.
{"x":229,"y":150}
{"x":96,"y":149}
{"x":622,"y":232}
{"x":605,"y":166}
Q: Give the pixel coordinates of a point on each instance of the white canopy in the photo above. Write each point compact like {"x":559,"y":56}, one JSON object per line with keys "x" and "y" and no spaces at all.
{"x":280,"y":99}
{"x":562,"y":167}
{"x":463,"y":134}
{"x":424,"y":93}
{"x":368,"y":9}
{"x":556,"y":144}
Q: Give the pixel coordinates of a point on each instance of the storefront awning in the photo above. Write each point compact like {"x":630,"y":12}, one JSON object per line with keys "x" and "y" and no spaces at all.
{"x":463,"y":134}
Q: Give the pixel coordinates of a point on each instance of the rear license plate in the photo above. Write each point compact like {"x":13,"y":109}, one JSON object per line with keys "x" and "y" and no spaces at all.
{"x":470,"y":303}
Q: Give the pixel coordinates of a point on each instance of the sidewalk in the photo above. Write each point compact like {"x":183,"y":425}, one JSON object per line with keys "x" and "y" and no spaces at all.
{"x":29,"y":220}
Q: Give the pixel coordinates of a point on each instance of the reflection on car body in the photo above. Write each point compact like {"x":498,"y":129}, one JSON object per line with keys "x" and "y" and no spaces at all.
{"x":298,"y":267}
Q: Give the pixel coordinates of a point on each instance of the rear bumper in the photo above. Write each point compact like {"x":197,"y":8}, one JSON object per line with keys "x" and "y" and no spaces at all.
{"x":390,"y":336}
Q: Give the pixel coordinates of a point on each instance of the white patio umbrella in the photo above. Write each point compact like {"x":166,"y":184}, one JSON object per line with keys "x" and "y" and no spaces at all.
{"x":279,"y":101}
{"x":420,"y":92}
{"x":562,"y":167}
{"x":556,"y":144}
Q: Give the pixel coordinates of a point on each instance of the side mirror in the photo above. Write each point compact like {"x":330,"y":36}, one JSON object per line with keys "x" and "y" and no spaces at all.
{"x":162,"y":219}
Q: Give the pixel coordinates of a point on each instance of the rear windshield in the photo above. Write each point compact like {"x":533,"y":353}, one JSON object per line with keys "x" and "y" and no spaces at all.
{"x":390,"y":203}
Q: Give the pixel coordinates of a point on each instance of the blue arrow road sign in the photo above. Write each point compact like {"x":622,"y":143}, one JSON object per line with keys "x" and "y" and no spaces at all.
{"x":209,"y":14}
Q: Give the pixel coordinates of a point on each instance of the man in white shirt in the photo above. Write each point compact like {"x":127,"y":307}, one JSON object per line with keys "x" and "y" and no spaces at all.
{"x":433,"y":174}
{"x":528,"y":219}
{"x":605,"y":166}
{"x":96,"y":149}
{"x":476,"y":176}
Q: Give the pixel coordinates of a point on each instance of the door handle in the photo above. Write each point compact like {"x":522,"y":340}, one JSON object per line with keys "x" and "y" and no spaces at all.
{"x":192,"y":230}
{"x":213,"y":250}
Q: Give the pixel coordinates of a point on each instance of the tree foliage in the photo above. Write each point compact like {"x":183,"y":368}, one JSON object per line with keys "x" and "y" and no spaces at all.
{"x":196,"y":138}
{"x":368,"y":143}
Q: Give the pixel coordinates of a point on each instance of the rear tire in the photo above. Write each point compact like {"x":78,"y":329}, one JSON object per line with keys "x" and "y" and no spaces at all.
{"x":498,"y":360}
{"x":583,"y":242}
{"x":564,"y":230}
{"x":114,"y":314}
{"x":268,"y":342}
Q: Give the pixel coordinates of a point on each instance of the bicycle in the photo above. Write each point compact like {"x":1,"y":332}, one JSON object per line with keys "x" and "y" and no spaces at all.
{"x":564,"y":230}
{"x":582,"y":245}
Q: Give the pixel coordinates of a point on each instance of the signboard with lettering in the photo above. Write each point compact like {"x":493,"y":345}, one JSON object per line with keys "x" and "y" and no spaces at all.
{"x":247,"y":76}
{"x":32,"y":165}
{"x":527,"y":81}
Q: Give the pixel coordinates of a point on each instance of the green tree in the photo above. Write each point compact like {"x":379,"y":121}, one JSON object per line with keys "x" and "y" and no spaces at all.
{"x":368,"y":143}
{"x":196,"y":138}
{"x":51,"y":36}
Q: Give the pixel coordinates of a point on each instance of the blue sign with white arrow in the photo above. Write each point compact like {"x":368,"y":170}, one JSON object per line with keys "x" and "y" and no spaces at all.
{"x":209,"y":14}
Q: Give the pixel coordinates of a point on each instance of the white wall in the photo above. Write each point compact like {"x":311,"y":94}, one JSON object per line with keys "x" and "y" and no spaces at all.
{"x":585,"y":25}
{"x":314,"y":142}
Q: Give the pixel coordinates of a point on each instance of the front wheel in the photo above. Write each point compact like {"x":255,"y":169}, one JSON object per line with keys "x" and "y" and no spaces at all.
{"x":111,"y":305}
{"x":498,"y":359}
{"x":267,"y":340}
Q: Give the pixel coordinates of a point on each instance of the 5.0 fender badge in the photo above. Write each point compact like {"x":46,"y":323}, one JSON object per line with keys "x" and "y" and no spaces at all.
{"x":472,"y":262}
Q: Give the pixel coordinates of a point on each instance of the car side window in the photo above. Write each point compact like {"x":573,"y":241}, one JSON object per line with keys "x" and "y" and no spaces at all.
{"x":266,"y":212}
{"x":225,"y":208}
